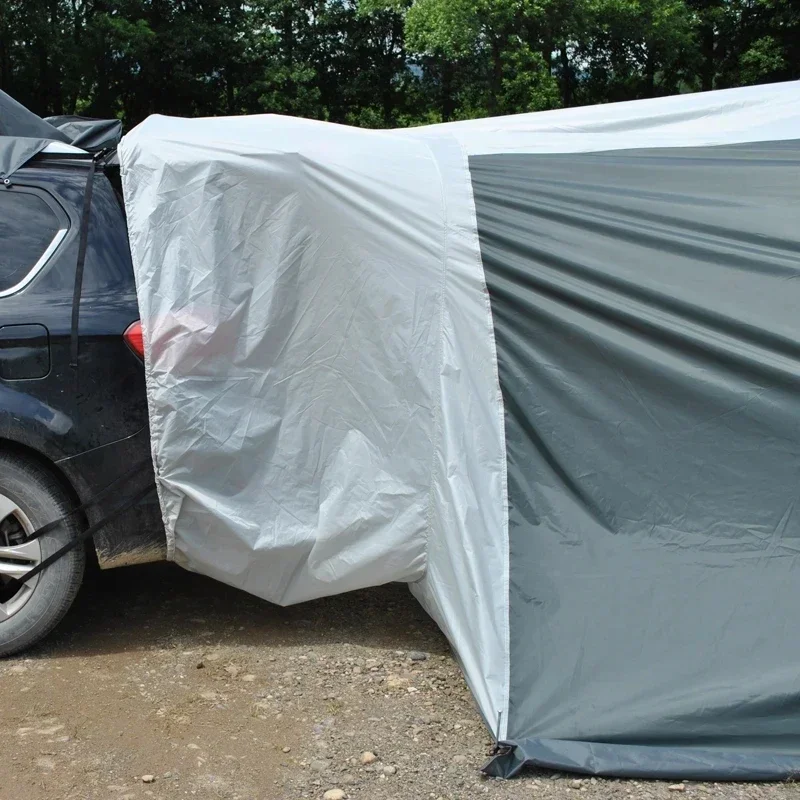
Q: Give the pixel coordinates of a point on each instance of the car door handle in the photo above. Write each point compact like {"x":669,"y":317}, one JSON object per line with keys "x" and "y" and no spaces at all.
{"x":24,"y":352}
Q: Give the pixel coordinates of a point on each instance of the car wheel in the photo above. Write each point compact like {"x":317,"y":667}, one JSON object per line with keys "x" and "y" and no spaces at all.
{"x":30,"y":497}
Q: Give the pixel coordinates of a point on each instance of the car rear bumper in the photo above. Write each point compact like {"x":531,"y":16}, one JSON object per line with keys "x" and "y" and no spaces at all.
{"x":137,"y":536}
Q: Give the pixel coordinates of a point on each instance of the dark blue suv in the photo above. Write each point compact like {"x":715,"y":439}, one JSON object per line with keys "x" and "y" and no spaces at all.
{"x":68,"y":426}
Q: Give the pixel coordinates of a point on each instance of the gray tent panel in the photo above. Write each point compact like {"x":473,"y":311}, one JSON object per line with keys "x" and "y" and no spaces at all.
{"x":645,"y":308}
{"x":16,"y":151}
{"x":91,"y":135}
{"x":16,"y":120}
{"x":23,"y":134}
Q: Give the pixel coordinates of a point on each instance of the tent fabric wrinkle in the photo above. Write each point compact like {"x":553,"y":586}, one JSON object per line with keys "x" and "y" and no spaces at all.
{"x":542,"y":368}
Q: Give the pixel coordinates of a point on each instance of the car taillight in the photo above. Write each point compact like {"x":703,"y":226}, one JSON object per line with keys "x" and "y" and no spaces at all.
{"x":134,"y":340}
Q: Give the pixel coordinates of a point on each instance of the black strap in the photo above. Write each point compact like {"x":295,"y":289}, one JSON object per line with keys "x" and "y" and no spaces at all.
{"x":82,"y":243}
{"x":17,"y":583}
{"x":92,"y":501}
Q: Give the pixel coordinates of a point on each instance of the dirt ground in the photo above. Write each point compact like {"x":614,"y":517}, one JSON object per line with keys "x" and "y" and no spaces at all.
{"x":163,"y":684}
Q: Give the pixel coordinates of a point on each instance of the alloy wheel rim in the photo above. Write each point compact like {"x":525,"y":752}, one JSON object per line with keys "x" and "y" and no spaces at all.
{"x":15,"y":559}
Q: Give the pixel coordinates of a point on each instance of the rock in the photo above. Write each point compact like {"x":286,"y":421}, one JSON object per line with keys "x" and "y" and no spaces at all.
{"x":148,"y":778}
{"x":319,"y":765}
{"x":677,"y":787}
{"x":248,"y":678}
{"x":200,"y":665}
{"x":576,"y":783}
{"x":368,"y":757}
{"x":287,"y":749}
{"x":459,"y":759}
{"x":232,"y":670}
{"x":395,"y":682}
{"x":193,"y":746}
{"x":389,"y":769}
{"x":334,"y":794}
{"x":417,"y":655}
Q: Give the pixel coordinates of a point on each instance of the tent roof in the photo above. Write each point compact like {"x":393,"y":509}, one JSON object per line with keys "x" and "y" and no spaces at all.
{"x":731,"y":116}
{"x":769,"y":112}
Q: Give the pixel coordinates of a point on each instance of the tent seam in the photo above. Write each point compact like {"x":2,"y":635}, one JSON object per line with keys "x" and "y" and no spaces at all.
{"x":437,"y":426}
{"x":502,"y":723}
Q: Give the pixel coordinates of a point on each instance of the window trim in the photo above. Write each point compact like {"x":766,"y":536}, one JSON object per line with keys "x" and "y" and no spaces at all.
{"x":55,"y":242}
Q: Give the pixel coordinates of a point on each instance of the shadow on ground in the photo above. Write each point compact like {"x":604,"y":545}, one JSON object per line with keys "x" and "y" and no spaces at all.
{"x":142,"y":607}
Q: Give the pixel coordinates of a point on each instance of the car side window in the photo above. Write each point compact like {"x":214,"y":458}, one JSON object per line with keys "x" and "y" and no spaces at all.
{"x":28,"y":229}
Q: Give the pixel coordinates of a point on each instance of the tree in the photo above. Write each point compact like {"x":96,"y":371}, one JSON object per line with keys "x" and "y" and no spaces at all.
{"x":489,"y":53}
{"x":382,"y":63}
{"x":636,"y":48}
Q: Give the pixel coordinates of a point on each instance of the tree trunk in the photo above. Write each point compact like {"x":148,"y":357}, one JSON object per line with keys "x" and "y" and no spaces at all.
{"x":497,"y":76}
{"x":55,"y":70}
{"x":229,"y":90}
{"x":388,"y":98}
{"x":77,"y":31}
{"x":43,"y":93}
{"x":447,"y":101}
{"x":547,"y":51}
{"x":288,"y":47}
{"x":5,"y":60}
{"x":707,"y":46}
{"x":650,"y":74}
{"x":566,"y":77}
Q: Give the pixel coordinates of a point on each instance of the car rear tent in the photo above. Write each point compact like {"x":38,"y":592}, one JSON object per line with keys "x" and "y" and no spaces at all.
{"x":543,"y":368}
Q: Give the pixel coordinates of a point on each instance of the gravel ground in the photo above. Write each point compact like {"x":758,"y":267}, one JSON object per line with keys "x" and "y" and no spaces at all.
{"x":163,"y":684}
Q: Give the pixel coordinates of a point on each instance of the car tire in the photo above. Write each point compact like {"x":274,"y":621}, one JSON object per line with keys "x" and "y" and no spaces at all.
{"x":30,"y":497}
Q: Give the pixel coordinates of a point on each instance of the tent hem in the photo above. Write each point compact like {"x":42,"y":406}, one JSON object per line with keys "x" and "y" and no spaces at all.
{"x":657,"y":762}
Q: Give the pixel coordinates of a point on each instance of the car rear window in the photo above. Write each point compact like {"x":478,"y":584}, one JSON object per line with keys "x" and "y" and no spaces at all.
{"x":27,"y":227}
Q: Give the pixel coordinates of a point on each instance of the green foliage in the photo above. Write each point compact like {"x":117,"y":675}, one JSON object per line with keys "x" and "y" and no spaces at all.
{"x":449,"y":28}
{"x":764,"y":57}
{"x":382,"y":63}
{"x":527,"y":83}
